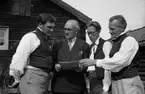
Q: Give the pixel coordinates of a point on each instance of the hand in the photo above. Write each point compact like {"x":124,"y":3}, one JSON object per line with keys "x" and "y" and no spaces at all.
{"x":87,"y":62}
{"x":15,"y":83}
{"x":79,"y":69}
{"x":57,"y":67}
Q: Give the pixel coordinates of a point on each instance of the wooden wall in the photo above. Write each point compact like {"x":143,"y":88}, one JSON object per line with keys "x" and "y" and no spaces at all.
{"x":20,"y":24}
{"x":141,"y":68}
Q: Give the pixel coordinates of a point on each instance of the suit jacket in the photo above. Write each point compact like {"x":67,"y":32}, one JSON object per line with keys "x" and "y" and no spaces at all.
{"x":97,"y":76}
{"x":99,"y":72}
{"x":70,"y":80}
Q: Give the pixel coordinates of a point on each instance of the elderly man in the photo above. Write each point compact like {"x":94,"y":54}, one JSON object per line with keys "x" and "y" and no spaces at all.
{"x":122,"y":60}
{"x":69,"y":76}
{"x":32,"y":62}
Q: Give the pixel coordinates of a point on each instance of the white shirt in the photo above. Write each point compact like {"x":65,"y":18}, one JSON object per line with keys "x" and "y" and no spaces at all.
{"x":122,"y":58}
{"x":107,"y":74}
{"x":72,"y":42}
{"x":20,"y":59}
{"x":94,"y":48}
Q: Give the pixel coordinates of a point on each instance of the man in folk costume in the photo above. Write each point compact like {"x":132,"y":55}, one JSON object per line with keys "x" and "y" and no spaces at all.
{"x":122,"y":61}
{"x":32,"y":62}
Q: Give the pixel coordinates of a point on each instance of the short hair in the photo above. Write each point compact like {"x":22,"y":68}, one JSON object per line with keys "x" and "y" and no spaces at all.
{"x":121,"y":20}
{"x":44,"y":17}
{"x":96,"y":25}
{"x":76,"y":24}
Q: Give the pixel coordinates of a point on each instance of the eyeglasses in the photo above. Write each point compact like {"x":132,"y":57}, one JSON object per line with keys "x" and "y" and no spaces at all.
{"x":91,"y":33}
{"x":68,"y":29}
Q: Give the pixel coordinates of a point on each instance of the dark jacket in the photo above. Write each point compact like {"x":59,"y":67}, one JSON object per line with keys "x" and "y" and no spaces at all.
{"x":97,"y":76}
{"x":70,"y":80}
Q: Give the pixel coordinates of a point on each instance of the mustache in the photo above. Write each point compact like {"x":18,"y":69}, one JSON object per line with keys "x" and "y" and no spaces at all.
{"x":66,"y":34}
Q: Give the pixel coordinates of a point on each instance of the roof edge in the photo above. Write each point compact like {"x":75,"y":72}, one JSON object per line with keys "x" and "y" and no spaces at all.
{"x":136,"y":29}
{"x":72,"y":10}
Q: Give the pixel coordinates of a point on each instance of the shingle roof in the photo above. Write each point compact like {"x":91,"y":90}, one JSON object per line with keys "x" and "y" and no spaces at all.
{"x":138,"y":34}
{"x":82,"y":17}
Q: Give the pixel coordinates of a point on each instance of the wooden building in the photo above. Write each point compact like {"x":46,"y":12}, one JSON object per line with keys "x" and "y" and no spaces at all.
{"x":18,"y":17}
{"x":139,"y":35}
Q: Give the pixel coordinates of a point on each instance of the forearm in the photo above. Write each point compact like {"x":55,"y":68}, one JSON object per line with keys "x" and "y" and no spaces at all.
{"x":112,"y":65}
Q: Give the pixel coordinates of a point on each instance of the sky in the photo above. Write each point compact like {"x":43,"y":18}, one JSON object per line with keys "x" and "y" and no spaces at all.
{"x":102,"y":10}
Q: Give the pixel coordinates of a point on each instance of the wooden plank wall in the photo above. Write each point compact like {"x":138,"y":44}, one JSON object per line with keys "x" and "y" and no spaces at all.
{"x":20,"y":25}
{"x":141,"y":68}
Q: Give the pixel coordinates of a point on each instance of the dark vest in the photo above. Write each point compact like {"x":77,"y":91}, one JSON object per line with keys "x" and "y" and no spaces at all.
{"x":42,"y":56}
{"x":99,"y":54}
{"x":128,"y":71}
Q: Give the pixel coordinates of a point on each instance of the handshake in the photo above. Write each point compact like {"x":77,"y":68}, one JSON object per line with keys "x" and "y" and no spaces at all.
{"x":76,"y":65}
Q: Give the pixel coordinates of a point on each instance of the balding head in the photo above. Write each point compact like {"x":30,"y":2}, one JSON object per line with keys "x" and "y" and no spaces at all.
{"x":73,"y":24}
{"x":71,"y":28}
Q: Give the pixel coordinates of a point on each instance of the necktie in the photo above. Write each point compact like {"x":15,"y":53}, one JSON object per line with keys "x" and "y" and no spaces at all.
{"x":70,"y":44}
{"x":93,"y":50}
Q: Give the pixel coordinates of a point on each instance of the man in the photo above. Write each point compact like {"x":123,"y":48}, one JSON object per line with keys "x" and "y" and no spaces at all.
{"x":69,"y":76}
{"x":32,"y":62}
{"x":122,"y":61}
{"x":96,"y":52}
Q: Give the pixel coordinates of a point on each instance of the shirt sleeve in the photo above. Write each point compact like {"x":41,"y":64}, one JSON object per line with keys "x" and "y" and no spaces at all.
{"x":27,"y":45}
{"x":122,"y":58}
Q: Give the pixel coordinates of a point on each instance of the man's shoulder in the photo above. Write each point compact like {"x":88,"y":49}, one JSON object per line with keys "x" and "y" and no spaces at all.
{"x":29,"y":35}
{"x":101,"y":41}
{"x":130,"y":39}
{"x":81,"y":41}
{"x":58,"y":41}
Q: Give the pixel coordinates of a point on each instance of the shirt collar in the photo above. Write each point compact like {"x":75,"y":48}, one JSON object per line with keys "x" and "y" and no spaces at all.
{"x":39,"y":29}
{"x":44,"y":35}
{"x":97,"y":41}
{"x":118,"y":36}
{"x":73,"y":40}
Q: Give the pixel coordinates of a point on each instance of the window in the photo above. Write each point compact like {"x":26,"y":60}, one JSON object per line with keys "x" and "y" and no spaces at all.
{"x":21,"y":7}
{"x":4,"y":38}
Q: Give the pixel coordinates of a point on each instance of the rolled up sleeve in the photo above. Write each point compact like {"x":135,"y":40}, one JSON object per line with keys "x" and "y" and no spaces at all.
{"x":122,"y":58}
{"x":20,"y":59}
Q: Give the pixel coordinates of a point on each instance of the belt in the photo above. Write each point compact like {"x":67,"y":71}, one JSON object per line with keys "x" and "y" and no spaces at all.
{"x":33,"y":68}
{"x":38,"y":69}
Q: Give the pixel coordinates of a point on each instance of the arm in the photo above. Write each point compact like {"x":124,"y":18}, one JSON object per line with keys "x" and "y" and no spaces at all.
{"x":85,"y":55}
{"x":121,"y":58}
{"x":107,"y":74}
{"x":27,"y":45}
{"x":86,"y":51}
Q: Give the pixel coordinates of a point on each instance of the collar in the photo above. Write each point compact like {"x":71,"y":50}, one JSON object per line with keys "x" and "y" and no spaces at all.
{"x":39,"y":29}
{"x":73,"y":40}
{"x":44,"y":35}
{"x":118,"y":36}
{"x":96,"y":42}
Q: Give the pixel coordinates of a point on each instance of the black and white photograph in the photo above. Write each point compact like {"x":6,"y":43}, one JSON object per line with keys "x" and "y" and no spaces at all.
{"x":72,"y":47}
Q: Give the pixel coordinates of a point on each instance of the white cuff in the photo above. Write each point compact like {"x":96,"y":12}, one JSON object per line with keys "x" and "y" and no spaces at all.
{"x":98,"y":62}
{"x":91,"y":68}
{"x":105,"y":88}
